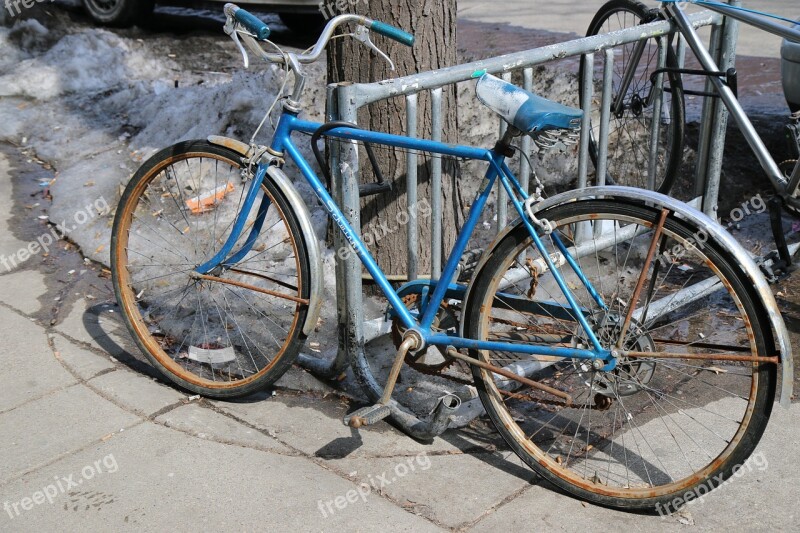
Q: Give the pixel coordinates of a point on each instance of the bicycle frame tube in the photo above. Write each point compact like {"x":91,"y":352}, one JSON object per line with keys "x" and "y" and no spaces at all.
{"x":559,"y":244}
{"x":283,"y":143}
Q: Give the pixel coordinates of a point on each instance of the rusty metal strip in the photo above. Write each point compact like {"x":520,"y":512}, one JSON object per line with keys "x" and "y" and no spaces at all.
{"x":642,"y":278}
{"x":296,"y":299}
{"x":707,"y":357}
{"x":510,"y":375}
{"x":706,"y":345}
{"x":266,"y":278}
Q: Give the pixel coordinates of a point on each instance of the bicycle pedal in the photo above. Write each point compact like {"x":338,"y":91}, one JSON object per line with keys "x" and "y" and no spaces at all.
{"x":367,"y":416}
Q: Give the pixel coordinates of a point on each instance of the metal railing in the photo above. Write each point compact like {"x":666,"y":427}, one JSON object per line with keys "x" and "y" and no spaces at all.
{"x":344,"y":102}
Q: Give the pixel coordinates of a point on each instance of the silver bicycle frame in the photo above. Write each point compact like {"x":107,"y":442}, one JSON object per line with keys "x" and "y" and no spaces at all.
{"x":726,"y":93}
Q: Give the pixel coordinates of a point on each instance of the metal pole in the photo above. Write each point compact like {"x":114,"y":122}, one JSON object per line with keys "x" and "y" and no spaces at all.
{"x":502,"y":199}
{"x":605,"y":116}
{"x":709,"y":106}
{"x":316,"y":365}
{"x":525,"y":144}
{"x":584,"y":230}
{"x":655,"y":125}
{"x":351,"y":331}
{"x":436,"y":186}
{"x":586,"y":125}
{"x":411,"y":189}
{"x":726,"y":60}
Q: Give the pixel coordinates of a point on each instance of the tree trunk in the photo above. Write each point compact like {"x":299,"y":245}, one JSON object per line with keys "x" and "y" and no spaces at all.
{"x":433,"y":24}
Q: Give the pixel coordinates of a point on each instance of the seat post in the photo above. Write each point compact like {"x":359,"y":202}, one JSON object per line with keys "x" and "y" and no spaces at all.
{"x":503,"y":146}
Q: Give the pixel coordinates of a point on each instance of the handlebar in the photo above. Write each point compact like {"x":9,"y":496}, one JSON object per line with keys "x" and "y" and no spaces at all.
{"x":387,"y":30}
{"x":261,"y":31}
{"x":250,"y":22}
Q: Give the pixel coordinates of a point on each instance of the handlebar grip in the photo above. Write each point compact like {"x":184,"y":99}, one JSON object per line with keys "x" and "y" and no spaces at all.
{"x":252,"y":23}
{"x":387,"y":30}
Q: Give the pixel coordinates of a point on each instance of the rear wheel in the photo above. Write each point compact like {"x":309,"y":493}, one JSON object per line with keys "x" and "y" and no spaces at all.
{"x":237,"y":329}
{"x":678,"y":415}
{"x":630,"y":130}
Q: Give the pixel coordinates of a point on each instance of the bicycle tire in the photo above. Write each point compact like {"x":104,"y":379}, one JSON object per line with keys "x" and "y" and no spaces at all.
{"x":481,"y":314}
{"x":246,"y":339}
{"x":625,"y":165}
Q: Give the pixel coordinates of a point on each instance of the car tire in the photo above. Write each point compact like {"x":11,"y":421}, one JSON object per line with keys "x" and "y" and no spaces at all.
{"x":119,"y":13}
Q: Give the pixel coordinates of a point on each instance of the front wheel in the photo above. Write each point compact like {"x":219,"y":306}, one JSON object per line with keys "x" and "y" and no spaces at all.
{"x":631,"y":126}
{"x":686,"y":402}
{"x":237,"y":328}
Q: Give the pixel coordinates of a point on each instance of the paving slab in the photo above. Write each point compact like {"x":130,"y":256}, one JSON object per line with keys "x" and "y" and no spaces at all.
{"x":315,"y":427}
{"x":164,"y":480}
{"x":138,"y":393}
{"x":9,"y":245}
{"x":22,"y":290}
{"x":29,"y":369}
{"x":44,"y":429}
{"x":95,"y":325}
{"x":452,"y":490}
{"x":762,"y":498}
{"x":205,"y":423}
{"x":82,"y":362}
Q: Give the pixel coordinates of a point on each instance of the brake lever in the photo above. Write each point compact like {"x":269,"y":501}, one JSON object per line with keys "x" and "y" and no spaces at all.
{"x":230,"y":29}
{"x":362,"y":34}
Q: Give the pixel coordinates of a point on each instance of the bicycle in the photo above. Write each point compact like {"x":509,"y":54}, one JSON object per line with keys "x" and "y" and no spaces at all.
{"x":632,"y":109}
{"x":635,"y":93}
{"x":638,"y":91}
{"x":583,"y":347}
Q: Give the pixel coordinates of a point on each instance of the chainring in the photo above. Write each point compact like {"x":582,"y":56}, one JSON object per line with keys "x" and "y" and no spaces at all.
{"x":445,"y":319}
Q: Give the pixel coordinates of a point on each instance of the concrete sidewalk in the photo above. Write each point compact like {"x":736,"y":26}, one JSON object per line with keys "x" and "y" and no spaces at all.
{"x":92,"y":440}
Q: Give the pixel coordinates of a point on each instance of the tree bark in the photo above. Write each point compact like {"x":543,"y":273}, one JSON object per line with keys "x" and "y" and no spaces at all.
{"x":433,"y":24}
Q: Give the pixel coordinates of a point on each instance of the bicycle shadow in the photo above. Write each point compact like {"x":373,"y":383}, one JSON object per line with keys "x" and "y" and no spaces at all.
{"x":104,"y":324}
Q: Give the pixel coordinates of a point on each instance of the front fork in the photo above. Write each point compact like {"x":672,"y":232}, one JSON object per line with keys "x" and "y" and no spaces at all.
{"x":223,"y":258}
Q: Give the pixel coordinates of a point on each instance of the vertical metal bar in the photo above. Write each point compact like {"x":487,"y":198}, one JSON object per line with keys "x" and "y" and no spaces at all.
{"x":727,"y":59}
{"x":411,"y":189}
{"x":605,"y":116}
{"x":586,"y":125}
{"x":655,"y":125}
{"x":502,"y":197}
{"x":348,"y":267}
{"x":525,"y":144}
{"x":436,"y":186}
{"x":709,"y":104}
{"x":680,"y":51}
{"x":584,"y":230}
{"x":338,"y":238}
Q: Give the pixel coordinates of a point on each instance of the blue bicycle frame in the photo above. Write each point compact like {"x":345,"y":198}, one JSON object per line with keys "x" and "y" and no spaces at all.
{"x":282,"y":143}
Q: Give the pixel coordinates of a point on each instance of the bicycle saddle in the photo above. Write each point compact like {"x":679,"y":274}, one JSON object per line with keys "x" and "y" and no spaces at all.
{"x":523,"y":109}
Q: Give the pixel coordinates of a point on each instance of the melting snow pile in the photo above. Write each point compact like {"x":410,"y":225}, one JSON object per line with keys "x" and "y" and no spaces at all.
{"x":96,"y":105}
